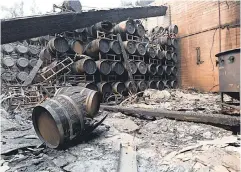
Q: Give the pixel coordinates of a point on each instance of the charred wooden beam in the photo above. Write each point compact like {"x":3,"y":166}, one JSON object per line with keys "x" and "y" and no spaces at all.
{"x":28,"y":27}
{"x":215,"y":119}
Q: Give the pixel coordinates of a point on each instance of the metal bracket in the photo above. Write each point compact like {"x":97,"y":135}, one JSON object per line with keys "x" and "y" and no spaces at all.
{"x":198,"y":56}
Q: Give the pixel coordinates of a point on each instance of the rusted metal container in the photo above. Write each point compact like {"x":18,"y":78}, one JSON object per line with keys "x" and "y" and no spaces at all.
{"x":167,"y":55}
{"x":57,"y":45}
{"x":151,"y":52}
{"x":164,"y":40}
{"x":159,"y":85}
{"x":141,"y":48}
{"x":152,"y":70}
{"x":174,"y":70}
{"x":103,"y":66}
{"x":160,"y":54}
{"x":174,"y":42}
{"x":59,"y":120}
{"x":75,"y":46}
{"x":172,"y":29}
{"x":131,"y":86}
{"x":229,"y":73}
{"x":167,"y":70}
{"x":159,"y":70}
{"x":125,"y":27}
{"x":33,"y":50}
{"x":133,"y":66}
{"x":130,"y":46}
{"x":7,"y":61}
{"x":140,"y":30}
{"x":7,"y":48}
{"x":105,"y":89}
{"x":152,"y":84}
{"x":97,"y":46}
{"x":84,"y":65}
{"x":174,"y":57}
{"x":89,"y":85}
{"x":119,"y":87}
{"x":21,"y":76}
{"x":115,"y":47}
{"x":141,"y":85}
{"x":142,"y":67}
{"x":22,"y":62}
{"x":33,"y":62}
{"x":118,"y":68}
{"x":21,"y":49}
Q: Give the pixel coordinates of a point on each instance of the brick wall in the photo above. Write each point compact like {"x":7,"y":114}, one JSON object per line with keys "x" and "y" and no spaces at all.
{"x":198,"y":16}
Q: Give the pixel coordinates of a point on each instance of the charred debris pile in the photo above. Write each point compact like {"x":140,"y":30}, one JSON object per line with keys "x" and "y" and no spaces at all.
{"x":93,"y":58}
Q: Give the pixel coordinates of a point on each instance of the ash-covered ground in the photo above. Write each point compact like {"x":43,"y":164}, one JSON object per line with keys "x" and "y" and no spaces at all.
{"x":162,"y":144}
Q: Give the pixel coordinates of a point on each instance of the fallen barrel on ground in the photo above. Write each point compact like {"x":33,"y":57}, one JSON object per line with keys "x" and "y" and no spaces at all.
{"x":59,"y":120}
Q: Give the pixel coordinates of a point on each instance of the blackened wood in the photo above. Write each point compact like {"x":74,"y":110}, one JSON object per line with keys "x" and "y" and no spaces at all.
{"x":29,"y":27}
{"x":215,"y":119}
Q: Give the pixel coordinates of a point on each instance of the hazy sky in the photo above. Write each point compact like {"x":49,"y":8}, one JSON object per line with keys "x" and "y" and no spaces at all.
{"x":47,"y":5}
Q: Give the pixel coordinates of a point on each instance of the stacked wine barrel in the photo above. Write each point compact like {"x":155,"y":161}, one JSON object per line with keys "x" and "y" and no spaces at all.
{"x":92,"y":57}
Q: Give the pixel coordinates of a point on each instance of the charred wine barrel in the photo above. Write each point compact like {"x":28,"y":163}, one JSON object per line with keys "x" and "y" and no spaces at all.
{"x":75,"y":46}
{"x":142,"y":67}
{"x":115,"y":47}
{"x":21,"y":76}
{"x":125,"y":27}
{"x":33,"y":50}
{"x":97,"y":46}
{"x":89,"y":85}
{"x":57,"y":45}
{"x":119,"y":87}
{"x":167,"y":69}
{"x":59,"y":120}
{"x":173,"y":29}
{"x":152,"y":69}
{"x":164,"y":40}
{"x":22,"y":62}
{"x":7,"y":48}
{"x":159,"y":85}
{"x":103,"y":26}
{"x":152,"y":84}
{"x":174,"y":42}
{"x":151,"y":52}
{"x":145,"y":39}
{"x":70,"y":5}
{"x":85,"y":65}
{"x":33,"y":62}
{"x":8,"y":76}
{"x":159,"y":70}
{"x":131,"y":86}
{"x":174,"y":70}
{"x":172,"y":83}
{"x":103,"y":66}
{"x":165,"y":84}
{"x":160,"y":54}
{"x":140,"y":30}
{"x":92,"y":99}
{"x":141,"y":85}
{"x":133,"y":66}
{"x":44,"y":54}
{"x":118,"y":68}
{"x":105,"y":89}
{"x":158,"y":29}
{"x":21,"y":49}
{"x":7,"y":61}
{"x":167,"y":55}
{"x":82,"y":34}
{"x":174,"y":57}
{"x":130,"y":46}
{"x":140,"y":49}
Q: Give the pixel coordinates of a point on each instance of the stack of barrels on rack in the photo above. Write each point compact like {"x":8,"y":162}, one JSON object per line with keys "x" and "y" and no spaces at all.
{"x":92,"y":57}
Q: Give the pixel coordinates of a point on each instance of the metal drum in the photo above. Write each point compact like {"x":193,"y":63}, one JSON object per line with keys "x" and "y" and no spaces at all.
{"x":152,"y":69}
{"x":59,"y":120}
{"x":89,"y":85}
{"x":22,"y":62}
{"x":76,"y":46}
{"x":7,"y":61}
{"x":167,"y":69}
{"x":115,"y":47}
{"x":159,"y":85}
{"x":21,"y":49}
{"x":33,"y":50}
{"x":85,"y":65}
{"x":97,"y":46}
{"x":152,"y":84}
{"x":57,"y":45}
{"x":125,"y":27}
{"x":105,"y":89}
{"x":133,"y":66}
{"x":103,"y":66}
{"x":7,"y":48}
{"x":151,"y":52}
{"x":159,"y":70}
{"x":141,"y":85}
{"x":119,"y":87}
{"x":118,"y":68}
{"x":21,"y":76}
{"x":131,"y":86}
{"x":130,"y":46}
{"x":142,"y":67}
{"x":140,"y":49}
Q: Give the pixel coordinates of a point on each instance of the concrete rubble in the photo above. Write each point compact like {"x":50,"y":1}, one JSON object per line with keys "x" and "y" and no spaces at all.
{"x":162,"y":144}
